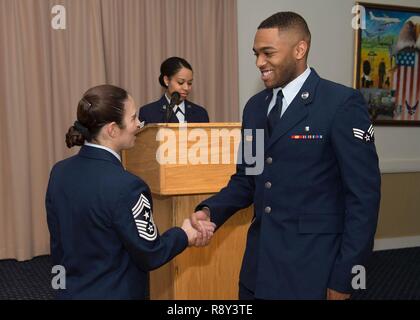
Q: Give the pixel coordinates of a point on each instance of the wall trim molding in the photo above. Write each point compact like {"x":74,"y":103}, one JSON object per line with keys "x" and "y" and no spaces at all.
{"x":399,"y":165}
{"x":396,"y":243}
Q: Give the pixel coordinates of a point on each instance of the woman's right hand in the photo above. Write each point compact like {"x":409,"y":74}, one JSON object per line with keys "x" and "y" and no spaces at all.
{"x":190,"y":231}
{"x":195,"y":237}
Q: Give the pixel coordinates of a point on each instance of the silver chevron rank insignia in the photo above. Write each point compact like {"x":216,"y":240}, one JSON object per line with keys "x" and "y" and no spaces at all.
{"x":143,"y":218}
{"x":366,"y":136}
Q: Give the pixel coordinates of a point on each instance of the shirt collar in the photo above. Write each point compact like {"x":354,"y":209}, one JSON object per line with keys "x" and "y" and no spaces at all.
{"x":292,"y":88}
{"x":94,"y":145}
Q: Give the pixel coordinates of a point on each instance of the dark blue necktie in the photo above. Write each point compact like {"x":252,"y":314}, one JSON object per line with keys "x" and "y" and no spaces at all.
{"x":275,"y":113}
{"x":178,"y":109}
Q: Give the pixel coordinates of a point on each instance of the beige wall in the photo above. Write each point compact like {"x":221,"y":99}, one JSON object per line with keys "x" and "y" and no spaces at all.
{"x":400,"y":206}
{"x":332,"y":55}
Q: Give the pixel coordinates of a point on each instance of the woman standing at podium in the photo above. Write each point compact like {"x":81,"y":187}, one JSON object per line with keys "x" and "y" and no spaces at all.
{"x":99,"y":215}
{"x":176,"y":75}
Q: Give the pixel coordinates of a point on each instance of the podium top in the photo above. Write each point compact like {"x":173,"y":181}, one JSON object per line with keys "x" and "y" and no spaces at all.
{"x":193,"y":125}
{"x":179,"y":164}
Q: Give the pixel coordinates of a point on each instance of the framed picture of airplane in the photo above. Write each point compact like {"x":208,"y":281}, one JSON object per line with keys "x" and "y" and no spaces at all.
{"x":387,"y":66}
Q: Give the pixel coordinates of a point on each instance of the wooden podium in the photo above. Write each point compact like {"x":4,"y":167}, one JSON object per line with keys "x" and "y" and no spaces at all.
{"x":183,"y":165}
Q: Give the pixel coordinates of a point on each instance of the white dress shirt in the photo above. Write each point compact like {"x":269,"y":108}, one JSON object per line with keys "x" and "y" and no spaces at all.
{"x":289,"y":91}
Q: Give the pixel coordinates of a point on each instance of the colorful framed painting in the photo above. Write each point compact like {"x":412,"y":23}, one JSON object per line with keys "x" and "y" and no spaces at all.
{"x":387,"y":68}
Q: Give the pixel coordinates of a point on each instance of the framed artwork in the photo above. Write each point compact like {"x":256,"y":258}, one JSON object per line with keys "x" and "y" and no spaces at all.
{"x":387,"y":68}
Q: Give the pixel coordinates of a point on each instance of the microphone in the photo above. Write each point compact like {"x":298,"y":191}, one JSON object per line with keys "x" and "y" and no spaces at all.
{"x":174,"y":101}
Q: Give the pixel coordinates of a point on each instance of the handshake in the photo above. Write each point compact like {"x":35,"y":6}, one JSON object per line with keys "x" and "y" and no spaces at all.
{"x":198,"y":228}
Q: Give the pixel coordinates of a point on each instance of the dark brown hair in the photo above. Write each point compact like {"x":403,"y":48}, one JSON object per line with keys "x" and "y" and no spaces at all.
{"x":288,"y":20}
{"x":170,"y":67}
{"x":99,"y":105}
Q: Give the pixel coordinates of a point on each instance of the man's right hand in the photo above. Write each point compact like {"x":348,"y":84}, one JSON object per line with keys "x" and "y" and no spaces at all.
{"x":200,"y":220}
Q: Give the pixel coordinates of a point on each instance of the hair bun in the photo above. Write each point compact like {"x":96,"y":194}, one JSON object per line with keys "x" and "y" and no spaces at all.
{"x":74,"y":138}
{"x":82,"y":129}
{"x":162,"y":83}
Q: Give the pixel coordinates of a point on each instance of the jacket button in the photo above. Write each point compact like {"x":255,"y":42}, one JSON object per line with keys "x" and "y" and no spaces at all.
{"x":267,"y":209}
{"x":268,"y":185}
{"x":269,"y":160}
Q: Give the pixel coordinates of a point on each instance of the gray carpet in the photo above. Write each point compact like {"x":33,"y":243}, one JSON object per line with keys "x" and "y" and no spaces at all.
{"x":391,"y":275}
{"x":26,"y":280}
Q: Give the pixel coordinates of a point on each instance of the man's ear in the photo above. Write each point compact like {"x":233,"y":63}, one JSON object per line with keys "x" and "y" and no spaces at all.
{"x":301,"y":49}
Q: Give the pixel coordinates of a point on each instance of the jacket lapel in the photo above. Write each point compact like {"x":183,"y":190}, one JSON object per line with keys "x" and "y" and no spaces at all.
{"x":261,"y":120}
{"x":163,"y":105}
{"x":189,"y":111}
{"x":297,"y":110}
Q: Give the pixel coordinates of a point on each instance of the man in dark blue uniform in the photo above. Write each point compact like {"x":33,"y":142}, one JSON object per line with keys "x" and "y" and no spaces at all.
{"x":316,"y":202}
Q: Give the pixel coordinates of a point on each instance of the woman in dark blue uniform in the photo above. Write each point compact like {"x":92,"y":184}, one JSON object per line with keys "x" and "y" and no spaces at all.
{"x":176,"y":75}
{"x":99,"y":215}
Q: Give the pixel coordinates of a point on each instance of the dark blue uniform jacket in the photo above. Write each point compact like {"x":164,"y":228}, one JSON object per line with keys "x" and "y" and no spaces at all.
{"x":155,"y":112}
{"x":102,"y":229}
